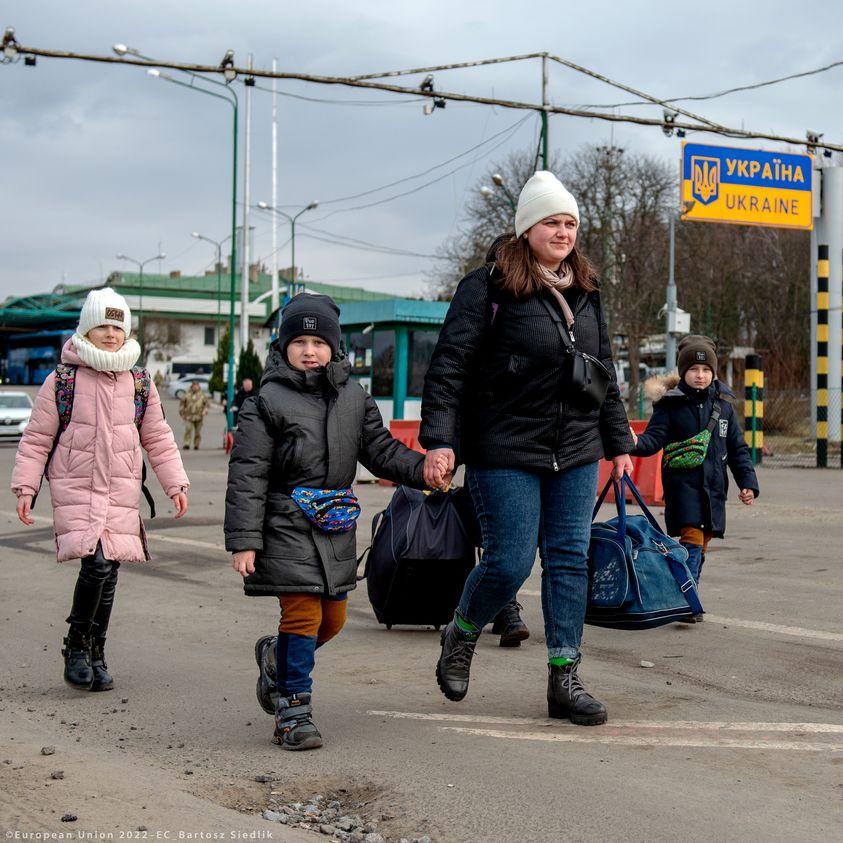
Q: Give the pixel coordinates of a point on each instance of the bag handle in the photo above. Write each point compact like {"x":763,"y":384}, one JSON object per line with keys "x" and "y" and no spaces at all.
{"x":620,"y":504}
{"x":365,"y":554}
{"x":626,"y":480}
{"x":557,"y":320}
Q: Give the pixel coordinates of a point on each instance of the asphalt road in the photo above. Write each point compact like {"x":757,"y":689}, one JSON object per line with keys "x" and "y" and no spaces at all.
{"x":735,"y":733}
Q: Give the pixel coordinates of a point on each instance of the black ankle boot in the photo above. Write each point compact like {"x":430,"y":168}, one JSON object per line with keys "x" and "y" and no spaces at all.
{"x":509,"y":625}
{"x":266,"y":689}
{"x":103,"y":680}
{"x":294,"y":726}
{"x":568,"y":700}
{"x":454,"y":665}
{"x":77,"y":660}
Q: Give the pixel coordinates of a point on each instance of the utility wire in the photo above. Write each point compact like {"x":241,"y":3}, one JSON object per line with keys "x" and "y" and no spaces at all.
{"x":378,"y":246}
{"x":512,"y":131}
{"x":429,"y":169}
{"x":738,"y":89}
{"x":340,"y":102}
{"x":706,"y":125}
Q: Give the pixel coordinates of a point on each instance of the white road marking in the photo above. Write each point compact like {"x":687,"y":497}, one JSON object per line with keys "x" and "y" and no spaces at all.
{"x":760,"y":626}
{"x":702,"y":741}
{"x":798,"y":631}
{"x":703,"y":725}
{"x":153,"y":536}
{"x":677,"y":733}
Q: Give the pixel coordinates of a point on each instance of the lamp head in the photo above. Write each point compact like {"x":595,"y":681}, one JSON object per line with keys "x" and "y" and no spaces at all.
{"x":120,"y":49}
{"x":227,"y":66}
{"x":264,"y":206}
{"x":312,"y":205}
{"x":497,"y":178}
{"x":153,"y":71}
{"x":486,"y":191}
{"x":196,"y":234}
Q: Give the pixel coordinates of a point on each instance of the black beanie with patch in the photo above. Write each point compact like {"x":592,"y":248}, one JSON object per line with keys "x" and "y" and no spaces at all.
{"x":696,"y":350}
{"x":313,"y":315}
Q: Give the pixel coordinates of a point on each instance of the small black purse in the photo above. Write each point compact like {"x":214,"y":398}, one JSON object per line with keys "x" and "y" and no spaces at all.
{"x":588,"y":378}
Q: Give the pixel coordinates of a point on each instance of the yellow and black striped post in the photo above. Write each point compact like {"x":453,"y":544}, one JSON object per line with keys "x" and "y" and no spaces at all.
{"x":754,"y":406}
{"x":822,"y":356}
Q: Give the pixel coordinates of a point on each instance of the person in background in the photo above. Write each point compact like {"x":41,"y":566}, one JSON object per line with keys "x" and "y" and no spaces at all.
{"x":247,"y":389}
{"x":193,"y":408}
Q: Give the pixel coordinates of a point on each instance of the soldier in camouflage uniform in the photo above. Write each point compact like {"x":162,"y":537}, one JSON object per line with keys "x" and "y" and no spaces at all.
{"x":193,"y":408}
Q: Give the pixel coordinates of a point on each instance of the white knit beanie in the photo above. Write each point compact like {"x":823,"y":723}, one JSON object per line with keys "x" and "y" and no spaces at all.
{"x":543,"y":196}
{"x":104,"y":307}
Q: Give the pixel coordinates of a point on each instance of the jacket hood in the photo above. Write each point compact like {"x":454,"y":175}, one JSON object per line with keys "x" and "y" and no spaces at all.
{"x":278,"y":370}
{"x":69,"y":355}
{"x":667,"y":386}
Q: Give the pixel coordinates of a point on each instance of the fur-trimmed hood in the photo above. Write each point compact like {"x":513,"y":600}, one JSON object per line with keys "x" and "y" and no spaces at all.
{"x":667,"y":386}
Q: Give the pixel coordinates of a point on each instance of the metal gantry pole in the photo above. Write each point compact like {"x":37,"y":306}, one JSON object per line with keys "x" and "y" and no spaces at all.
{"x":229,"y":391}
{"x":244,"y":279}
{"x":545,"y":143}
{"x":833,"y":203}
{"x":670,"y":314}
{"x":274,"y":264}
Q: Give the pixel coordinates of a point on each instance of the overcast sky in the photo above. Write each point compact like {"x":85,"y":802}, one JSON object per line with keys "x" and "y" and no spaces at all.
{"x":100,"y":159}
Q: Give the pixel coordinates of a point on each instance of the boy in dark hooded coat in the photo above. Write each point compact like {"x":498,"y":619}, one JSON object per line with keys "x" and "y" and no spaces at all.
{"x":304,"y":432}
{"x":683,"y":407}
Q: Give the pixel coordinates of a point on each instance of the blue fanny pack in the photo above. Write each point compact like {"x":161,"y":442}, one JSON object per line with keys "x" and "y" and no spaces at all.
{"x":331,"y":510}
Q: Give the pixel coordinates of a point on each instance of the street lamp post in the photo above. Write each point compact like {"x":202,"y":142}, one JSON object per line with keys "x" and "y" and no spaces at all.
{"x":227,"y":68}
{"x":265,"y":206}
{"x":218,"y":245}
{"x":497,"y":178}
{"x":140,"y":265}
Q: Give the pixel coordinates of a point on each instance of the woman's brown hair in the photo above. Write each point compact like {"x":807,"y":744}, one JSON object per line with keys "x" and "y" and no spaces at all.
{"x":522,"y":274}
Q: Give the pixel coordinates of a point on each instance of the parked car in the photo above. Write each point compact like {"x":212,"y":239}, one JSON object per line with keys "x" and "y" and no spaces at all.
{"x":178,"y":388}
{"x":15,"y":410}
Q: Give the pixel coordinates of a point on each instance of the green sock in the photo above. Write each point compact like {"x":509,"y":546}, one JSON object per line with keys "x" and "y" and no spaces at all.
{"x":466,"y":626}
{"x":559,"y":661}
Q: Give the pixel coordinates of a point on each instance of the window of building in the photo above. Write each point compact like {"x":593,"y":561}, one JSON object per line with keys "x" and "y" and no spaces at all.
{"x":383,"y":363}
{"x":210,"y":338}
{"x":422,"y":344}
{"x":360,"y":353}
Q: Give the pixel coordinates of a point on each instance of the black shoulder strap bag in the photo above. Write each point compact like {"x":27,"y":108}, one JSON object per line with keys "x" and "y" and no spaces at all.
{"x":588,"y":378}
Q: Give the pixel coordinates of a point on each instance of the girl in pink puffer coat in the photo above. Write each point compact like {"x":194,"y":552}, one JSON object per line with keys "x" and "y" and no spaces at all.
{"x":95,"y":473}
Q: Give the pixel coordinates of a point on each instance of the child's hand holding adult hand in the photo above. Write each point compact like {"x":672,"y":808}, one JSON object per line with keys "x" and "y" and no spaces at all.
{"x":438,"y":464}
{"x":180,"y":503}
{"x":747,"y":496}
{"x":24,"y":508}
{"x":243,"y":561}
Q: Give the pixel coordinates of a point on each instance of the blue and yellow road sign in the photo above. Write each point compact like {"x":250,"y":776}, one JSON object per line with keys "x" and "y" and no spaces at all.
{"x":746,"y":186}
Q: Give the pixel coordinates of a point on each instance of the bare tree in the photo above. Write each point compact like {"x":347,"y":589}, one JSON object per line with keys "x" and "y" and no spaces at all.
{"x":161,"y":339}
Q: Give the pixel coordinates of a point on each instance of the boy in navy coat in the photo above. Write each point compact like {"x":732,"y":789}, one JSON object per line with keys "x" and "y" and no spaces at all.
{"x":695,"y":498}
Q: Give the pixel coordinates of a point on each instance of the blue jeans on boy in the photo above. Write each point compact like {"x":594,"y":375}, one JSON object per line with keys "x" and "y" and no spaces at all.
{"x":696,"y":557}
{"x":519,"y":511}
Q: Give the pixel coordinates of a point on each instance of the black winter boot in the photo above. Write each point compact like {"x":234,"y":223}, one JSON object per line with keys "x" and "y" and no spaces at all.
{"x":294,"y":727}
{"x":509,"y":625}
{"x":266,"y":689}
{"x":567,"y":699}
{"x":103,"y":680}
{"x":77,"y":660}
{"x":454,"y":665}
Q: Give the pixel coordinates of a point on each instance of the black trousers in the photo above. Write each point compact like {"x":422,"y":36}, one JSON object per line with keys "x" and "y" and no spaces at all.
{"x":93,"y":596}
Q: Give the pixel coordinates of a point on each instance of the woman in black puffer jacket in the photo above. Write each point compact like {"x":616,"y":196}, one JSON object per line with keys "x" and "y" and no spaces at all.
{"x":497,"y":397}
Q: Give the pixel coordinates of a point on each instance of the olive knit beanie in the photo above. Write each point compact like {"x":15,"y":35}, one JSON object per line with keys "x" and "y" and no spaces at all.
{"x":696,"y":350}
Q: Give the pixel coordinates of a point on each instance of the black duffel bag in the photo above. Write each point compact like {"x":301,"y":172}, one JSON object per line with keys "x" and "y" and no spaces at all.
{"x":423,"y":548}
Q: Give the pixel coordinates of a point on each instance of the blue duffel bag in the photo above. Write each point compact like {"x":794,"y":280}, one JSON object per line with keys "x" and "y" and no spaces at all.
{"x":638,"y":577}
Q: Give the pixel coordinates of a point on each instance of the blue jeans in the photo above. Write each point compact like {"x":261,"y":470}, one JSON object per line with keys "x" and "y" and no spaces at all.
{"x":519,"y":511}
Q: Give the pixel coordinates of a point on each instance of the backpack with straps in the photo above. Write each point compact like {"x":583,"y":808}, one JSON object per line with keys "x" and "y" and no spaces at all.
{"x":63,"y":390}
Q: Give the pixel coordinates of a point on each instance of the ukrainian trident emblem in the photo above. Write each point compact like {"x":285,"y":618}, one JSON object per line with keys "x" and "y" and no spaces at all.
{"x":705,"y":178}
